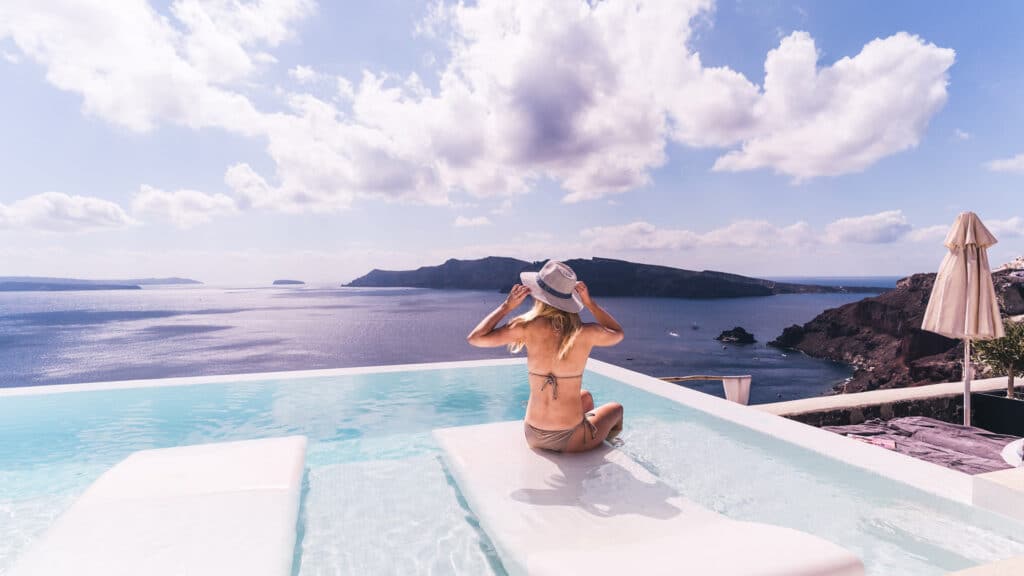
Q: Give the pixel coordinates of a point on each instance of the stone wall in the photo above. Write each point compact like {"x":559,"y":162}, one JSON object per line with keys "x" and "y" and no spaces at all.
{"x":945,"y":408}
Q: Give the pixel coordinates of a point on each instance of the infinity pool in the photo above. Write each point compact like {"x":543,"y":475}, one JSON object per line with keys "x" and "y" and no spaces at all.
{"x":378,"y":500}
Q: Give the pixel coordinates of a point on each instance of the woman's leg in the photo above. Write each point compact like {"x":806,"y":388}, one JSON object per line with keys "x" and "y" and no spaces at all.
{"x":605,"y":419}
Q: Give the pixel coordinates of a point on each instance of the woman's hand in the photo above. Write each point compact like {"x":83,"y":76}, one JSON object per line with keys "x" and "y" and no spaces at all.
{"x":584,"y":293}
{"x":516,"y":295}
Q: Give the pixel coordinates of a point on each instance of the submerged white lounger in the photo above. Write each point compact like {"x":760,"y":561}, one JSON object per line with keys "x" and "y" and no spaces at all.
{"x":215,"y":509}
{"x":602,"y":513}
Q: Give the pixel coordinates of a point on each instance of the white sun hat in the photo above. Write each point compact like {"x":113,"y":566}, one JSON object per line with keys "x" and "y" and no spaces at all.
{"x":555,"y":284}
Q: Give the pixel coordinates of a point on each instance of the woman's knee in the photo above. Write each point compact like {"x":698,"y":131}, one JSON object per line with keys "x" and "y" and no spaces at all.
{"x":611,"y":410}
{"x":587,"y":399}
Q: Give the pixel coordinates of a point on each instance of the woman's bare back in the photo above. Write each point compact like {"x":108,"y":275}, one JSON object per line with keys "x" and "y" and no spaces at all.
{"x":558,"y":401}
{"x":554,"y":402}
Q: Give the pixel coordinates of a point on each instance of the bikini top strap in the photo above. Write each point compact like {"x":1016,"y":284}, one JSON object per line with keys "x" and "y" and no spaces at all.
{"x":552,"y":375}
{"x":551,"y":379}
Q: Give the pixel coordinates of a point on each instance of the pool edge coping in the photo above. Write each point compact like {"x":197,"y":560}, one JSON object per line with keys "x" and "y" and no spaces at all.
{"x":43,"y":389}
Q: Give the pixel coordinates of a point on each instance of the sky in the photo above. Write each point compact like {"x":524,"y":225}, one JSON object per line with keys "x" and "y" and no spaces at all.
{"x":243,"y":141}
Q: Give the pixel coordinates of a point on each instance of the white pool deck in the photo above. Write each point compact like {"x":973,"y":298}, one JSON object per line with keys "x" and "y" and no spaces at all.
{"x":208,"y":509}
{"x":1003,"y":493}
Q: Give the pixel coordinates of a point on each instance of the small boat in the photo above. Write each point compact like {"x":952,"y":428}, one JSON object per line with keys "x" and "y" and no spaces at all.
{"x":673,"y":333}
{"x":695,"y":326}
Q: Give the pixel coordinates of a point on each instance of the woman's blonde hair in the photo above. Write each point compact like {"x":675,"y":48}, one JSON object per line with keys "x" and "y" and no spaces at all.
{"x":568,"y":324}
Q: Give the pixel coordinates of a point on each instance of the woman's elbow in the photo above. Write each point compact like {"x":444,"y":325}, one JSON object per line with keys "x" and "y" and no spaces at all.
{"x":607,"y":336}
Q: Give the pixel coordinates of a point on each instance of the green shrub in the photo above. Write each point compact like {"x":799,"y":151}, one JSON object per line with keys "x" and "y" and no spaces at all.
{"x":1003,"y":355}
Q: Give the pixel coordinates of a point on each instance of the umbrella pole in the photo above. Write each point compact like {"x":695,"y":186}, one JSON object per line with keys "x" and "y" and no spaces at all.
{"x":967,"y":381}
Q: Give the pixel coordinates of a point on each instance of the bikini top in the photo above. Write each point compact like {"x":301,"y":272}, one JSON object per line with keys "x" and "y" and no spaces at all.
{"x":551,"y":379}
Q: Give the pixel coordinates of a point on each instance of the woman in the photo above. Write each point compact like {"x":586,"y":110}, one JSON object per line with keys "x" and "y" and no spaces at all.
{"x":560,"y":415}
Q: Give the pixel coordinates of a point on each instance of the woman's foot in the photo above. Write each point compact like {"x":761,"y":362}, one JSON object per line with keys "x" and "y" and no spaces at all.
{"x":614,"y":432}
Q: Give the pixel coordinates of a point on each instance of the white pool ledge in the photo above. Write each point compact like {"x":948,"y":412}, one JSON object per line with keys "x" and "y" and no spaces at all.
{"x":209,"y":509}
{"x":600,"y":513}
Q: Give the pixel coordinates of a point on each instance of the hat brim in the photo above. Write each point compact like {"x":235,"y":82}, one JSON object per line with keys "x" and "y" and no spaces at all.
{"x":573,"y":304}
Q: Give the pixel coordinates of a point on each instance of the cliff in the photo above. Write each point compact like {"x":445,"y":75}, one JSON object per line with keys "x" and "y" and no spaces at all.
{"x":882,"y":339}
{"x":491,"y":273}
{"x":604,"y":277}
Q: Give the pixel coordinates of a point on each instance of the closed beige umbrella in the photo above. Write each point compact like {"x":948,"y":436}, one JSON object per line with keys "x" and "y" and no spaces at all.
{"x":963,"y":301}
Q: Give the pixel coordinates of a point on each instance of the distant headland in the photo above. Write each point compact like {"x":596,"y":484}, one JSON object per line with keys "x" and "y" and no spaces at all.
{"x":288,"y":283}
{"x":43,"y":284}
{"x":604,"y":277}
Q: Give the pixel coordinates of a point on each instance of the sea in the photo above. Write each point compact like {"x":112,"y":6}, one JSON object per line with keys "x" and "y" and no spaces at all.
{"x":165,"y":331}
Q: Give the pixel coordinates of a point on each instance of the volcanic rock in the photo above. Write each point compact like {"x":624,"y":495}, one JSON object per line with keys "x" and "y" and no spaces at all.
{"x":881,"y":337}
{"x":737,"y":335}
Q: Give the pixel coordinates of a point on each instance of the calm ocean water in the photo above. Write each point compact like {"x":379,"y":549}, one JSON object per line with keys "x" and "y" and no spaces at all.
{"x":71,"y":337}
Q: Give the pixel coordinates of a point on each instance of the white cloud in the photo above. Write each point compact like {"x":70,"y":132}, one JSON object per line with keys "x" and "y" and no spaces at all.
{"x":10,"y":57}
{"x":251,"y":190}
{"x":1008,"y":228}
{"x":223,"y":38}
{"x":183,"y":208}
{"x":756,"y":235}
{"x":58,"y":212}
{"x":638,"y":235}
{"x":464,"y":222}
{"x":750,"y":234}
{"x":961,"y":135}
{"x":584,"y":94}
{"x":137,"y":68}
{"x":1014,"y":164}
{"x":504,"y":208}
{"x":845,"y":117}
{"x":304,"y":74}
{"x":934,"y":233}
{"x":345,"y":89}
{"x":588,"y":96}
{"x":436,"y":21}
{"x":759,"y":234}
{"x":525,"y":247}
{"x":880,"y":228}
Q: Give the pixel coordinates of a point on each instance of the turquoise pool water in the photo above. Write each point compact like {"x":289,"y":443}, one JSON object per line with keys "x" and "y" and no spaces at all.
{"x":378,"y":499}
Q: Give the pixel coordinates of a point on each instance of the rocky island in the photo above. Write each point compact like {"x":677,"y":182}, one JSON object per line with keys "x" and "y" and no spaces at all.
{"x":881,"y":337}
{"x":26,"y":286}
{"x":45,"y":284}
{"x":289,"y":283}
{"x":737,"y":335}
{"x":604,"y":276}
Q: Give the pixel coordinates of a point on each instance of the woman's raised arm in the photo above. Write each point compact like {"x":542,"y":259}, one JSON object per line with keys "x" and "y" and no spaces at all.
{"x":485,"y":336}
{"x":607,"y":331}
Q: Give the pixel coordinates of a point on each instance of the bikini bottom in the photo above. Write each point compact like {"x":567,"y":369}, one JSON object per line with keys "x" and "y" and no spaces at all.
{"x":556,"y":440}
